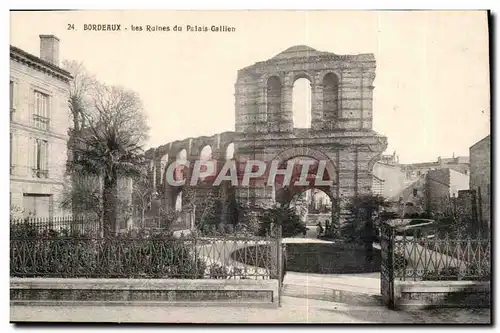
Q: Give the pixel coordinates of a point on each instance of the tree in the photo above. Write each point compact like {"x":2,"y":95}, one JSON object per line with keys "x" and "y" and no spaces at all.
{"x":84,"y":196}
{"x":142,"y":194}
{"x":110,"y":144}
{"x":284,"y":216}
{"x":359,"y":225}
{"x":80,"y":86}
{"x":81,"y":198}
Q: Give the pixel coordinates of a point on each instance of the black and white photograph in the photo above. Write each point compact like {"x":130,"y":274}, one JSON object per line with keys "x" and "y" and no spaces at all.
{"x":250,"y":167}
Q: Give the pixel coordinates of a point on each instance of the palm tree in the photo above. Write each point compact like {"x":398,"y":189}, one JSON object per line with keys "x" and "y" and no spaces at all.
{"x":110,"y":145}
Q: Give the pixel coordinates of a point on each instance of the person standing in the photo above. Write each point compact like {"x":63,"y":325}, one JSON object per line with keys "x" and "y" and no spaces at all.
{"x":319,"y":229}
{"x":327,"y":227}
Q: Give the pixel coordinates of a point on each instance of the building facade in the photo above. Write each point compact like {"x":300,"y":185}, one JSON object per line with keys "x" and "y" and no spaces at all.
{"x":480,"y":177}
{"x":39,"y":122}
{"x":388,"y":177}
{"x":431,"y":191}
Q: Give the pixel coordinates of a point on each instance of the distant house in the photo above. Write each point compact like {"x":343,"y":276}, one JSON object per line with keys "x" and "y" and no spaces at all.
{"x":431,"y":190}
{"x":420,"y":186}
{"x":459,"y":164}
{"x":443,"y":184}
{"x":388,"y":179}
{"x":480,"y":177}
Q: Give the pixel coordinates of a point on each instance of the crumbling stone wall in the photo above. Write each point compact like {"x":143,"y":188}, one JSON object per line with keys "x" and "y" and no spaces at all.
{"x":341,"y":127}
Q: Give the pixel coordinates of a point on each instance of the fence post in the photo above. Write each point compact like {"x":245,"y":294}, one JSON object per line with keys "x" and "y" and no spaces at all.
{"x":387,"y":265}
{"x":280,"y":262}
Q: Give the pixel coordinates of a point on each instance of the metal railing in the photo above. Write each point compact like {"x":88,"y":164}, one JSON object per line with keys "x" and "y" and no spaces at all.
{"x":41,"y":122}
{"x":40,"y":173}
{"x":66,"y":247}
{"x":427,"y":255}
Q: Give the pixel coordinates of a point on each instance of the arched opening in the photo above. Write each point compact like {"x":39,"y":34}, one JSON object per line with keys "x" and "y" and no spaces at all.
{"x":182,"y":156}
{"x":307,"y":192}
{"x":152,"y":174}
{"x":330,"y":97}
{"x":206,"y":153}
{"x":180,"y":169}
{"x":313,"y":206}
{"x":273,"y":98}
{"x":230,"y":152}
{"x":286,"y":188}
{"x":178,"y":202}
{"x":163,"y":168}
{"x":302,"y":103}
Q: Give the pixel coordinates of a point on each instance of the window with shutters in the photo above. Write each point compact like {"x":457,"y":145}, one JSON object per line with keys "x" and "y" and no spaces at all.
{"x":41,"y":110}
{"x":40,"y":158}
{"x":37,"y":205}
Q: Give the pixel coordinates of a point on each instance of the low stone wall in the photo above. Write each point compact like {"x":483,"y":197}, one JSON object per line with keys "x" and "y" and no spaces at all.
{"x":80,"y":291}
{"x":438,"y":294}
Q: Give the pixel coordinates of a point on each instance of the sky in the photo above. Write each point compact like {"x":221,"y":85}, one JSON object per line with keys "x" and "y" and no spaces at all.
{"x":431,"y":97}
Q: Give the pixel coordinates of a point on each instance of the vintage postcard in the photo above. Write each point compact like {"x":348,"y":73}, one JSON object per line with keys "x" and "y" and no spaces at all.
{"x":250,"y":167}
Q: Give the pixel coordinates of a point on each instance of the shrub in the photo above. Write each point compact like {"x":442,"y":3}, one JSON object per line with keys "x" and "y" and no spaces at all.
{"x":357,"y":227}
{"x":217,"y":271}
{"x":286,"y":217}
{"x":62,"y":254}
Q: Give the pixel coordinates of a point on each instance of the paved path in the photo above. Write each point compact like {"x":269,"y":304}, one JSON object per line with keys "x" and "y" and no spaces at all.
{"x":294,"y":310}
{"x":297,"y":284}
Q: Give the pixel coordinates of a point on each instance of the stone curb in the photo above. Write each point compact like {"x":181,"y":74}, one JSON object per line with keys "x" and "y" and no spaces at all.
{"x":331,"y":295}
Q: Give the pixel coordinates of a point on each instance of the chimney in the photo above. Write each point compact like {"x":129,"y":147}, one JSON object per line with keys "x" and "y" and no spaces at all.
{"x":49,"y":49}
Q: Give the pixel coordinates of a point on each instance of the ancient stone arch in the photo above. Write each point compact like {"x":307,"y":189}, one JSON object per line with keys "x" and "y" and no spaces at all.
{"x":341,"y":127}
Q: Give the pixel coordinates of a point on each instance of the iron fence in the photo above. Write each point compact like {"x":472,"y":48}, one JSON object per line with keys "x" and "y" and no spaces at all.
{"x":39,"y":250}
{"x":84,"y":224}
{"x":428,"y":255}
{"x":415,"y":254}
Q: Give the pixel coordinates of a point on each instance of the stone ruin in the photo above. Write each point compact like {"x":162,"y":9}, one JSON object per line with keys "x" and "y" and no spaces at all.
{"x":340,"y":132}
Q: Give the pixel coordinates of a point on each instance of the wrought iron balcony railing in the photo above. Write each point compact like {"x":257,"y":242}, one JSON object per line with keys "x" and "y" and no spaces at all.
{"x":39,"y":173}
{"x":41,"y":122}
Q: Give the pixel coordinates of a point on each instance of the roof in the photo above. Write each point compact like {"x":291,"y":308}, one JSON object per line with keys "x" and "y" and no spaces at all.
{"x":43,"y":65}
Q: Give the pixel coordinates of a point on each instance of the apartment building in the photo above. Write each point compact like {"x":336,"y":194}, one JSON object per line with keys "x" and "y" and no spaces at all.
{"x":39,"y":121}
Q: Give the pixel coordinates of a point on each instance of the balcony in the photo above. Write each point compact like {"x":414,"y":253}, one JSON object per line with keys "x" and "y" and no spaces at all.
{"x":39,"y":173}
{"x":41,"y":122}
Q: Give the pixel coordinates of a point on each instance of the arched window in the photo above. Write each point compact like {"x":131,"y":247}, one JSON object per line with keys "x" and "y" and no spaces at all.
{"x":273,"y":98}
{"x":330,"y":97}
{"x":163,"y":168}
{"x":230,"y":152}
{"x":178,"y":202}
{"x":301,"y":103}
{"x":206,"y":153}
{"x":182,"y":156}
{"x":180,"y":170}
